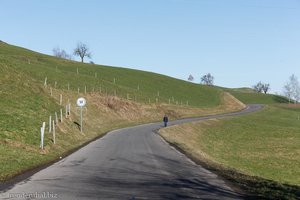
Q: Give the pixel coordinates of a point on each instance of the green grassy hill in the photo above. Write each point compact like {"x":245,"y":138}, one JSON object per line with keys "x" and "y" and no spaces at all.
{"x":26,"y":103}
{"x":143,"y":85}
{"x":249,"y":96}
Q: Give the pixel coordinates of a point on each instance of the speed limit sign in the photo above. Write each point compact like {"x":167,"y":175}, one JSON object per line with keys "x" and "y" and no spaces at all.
{"x":81,"y":102}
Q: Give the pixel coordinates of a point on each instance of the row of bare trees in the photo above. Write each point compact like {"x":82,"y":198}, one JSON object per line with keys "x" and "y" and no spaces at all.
{"x":206,"y":79}
{"x":261,"y":87}
{"x":81,"y":50}
{"x":291,"y":89}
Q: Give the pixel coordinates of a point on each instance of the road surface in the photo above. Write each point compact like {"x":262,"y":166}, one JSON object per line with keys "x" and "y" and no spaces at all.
{"x":130,"y":163}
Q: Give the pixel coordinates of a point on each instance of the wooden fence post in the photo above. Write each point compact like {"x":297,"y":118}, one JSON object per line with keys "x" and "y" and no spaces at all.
{"x":60,"y":99}
{"x":69,"y":109}
{"x":45,"y":83}
{"x":50,"y":127}
{"x":56,"y":118}
{"x":53,"y":132}
{"x":61,"y":115}
{"x":66,"y":111}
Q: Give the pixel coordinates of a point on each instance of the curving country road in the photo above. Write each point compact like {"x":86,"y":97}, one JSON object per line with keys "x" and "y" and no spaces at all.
{"x":130,"y":163}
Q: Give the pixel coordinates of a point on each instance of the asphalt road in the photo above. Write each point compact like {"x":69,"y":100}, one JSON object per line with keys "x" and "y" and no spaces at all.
{"x":130,"y":163}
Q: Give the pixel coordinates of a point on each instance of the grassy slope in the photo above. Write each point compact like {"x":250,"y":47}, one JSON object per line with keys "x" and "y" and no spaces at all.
{"x":127,"y":80}
{"x":270,"y":149}
{"x":26,"y":104}
{"x":249,"y":96}
{"x":264,"y":144}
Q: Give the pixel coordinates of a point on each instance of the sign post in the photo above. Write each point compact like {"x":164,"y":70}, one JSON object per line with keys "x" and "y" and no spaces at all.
{"x":81,"y":103}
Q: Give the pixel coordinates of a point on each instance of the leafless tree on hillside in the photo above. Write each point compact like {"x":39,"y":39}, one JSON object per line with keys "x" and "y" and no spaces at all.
{"x":82,"y":50}
{"x":261,"y":87}
{"x":258,"y":87}
{"x":292,"y":89}
{"x":191,"y":78}
{"x":287,"y":91}
{"x":60,"y":53}
{"x":207,"y":79}
{"x":266,"y":87}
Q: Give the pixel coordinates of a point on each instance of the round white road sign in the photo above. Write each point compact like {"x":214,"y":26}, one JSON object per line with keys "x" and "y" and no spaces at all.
{"x":81,"y":102}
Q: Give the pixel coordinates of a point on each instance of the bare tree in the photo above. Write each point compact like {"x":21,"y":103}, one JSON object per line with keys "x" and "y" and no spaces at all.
{"x":60,"y":53}
{"x":265,"y":87}
{"x":191,"y":78}
{"x":295,"y":88}
{"x":207,"y":79}
{"x":261,"y":87}
{"x":287,"y":90}
{"x":292,"y":89}
{"x":258,"y":87}
{"x":82,"y":51}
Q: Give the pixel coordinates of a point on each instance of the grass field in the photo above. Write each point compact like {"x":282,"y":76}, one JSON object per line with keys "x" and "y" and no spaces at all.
{"x":258,"y":98}
{"x":264,"y":144}
{"x":26,"y":103}
{"x":249,"y":96}
{"x":143,"y":85}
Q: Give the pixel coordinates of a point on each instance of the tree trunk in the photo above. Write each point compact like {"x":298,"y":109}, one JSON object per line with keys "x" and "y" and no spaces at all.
{"x":81,"y":59}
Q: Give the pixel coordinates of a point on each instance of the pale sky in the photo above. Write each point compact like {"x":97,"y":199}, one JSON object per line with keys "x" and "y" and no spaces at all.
{"x":239,"y":42}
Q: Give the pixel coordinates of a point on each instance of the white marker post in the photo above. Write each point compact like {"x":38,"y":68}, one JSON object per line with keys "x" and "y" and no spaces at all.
{"x":42,"y":135}
{"x":81,"y":103}
{"x":45,"y":82}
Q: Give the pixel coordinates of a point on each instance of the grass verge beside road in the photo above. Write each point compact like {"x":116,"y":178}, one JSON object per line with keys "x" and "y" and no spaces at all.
{"x":21,"y":152}
{"x":263,"y":146}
